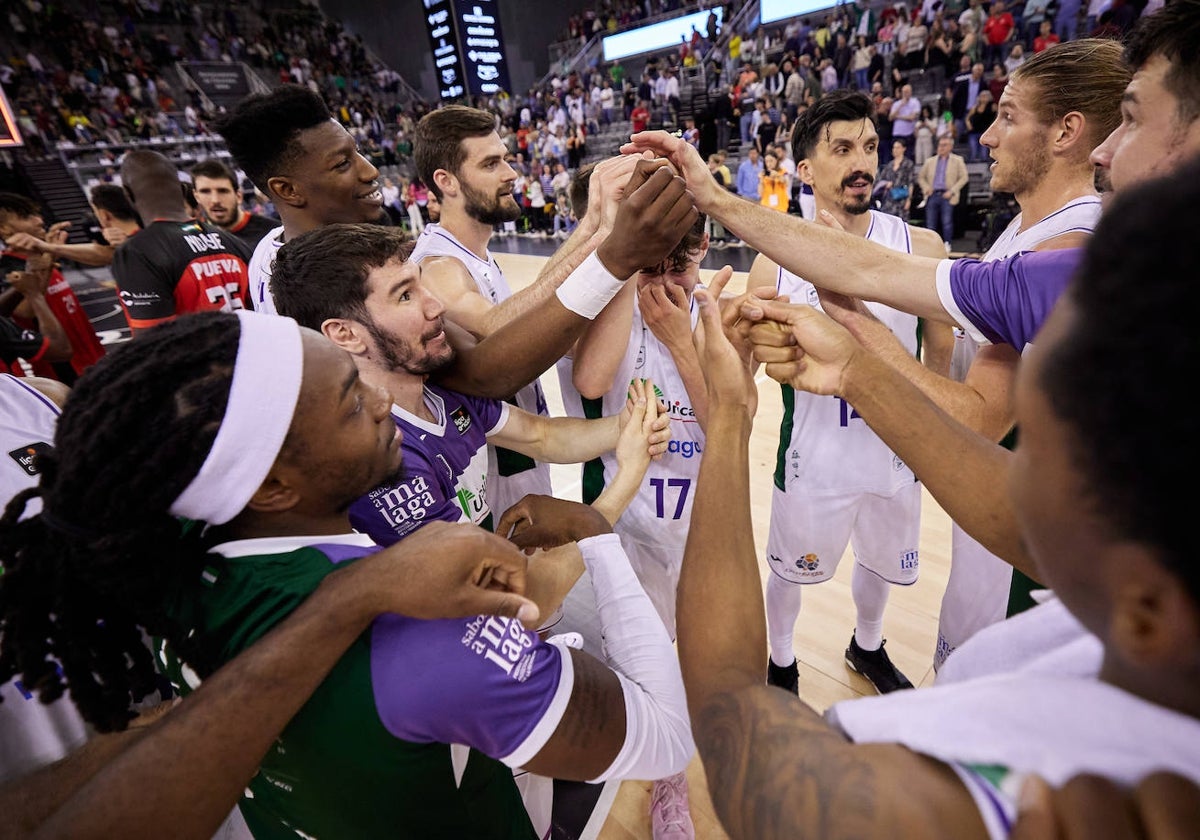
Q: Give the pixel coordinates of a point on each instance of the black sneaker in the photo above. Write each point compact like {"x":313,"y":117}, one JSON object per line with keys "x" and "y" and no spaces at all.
{"x":786,"y":678}
{"x":876,"y":667}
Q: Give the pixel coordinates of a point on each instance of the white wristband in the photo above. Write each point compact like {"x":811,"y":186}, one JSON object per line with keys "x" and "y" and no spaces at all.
{"x":589,"y":288}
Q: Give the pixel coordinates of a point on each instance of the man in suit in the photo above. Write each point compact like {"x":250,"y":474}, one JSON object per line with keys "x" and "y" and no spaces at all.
{"x":942,"y":178}
{"x":966,"y":91}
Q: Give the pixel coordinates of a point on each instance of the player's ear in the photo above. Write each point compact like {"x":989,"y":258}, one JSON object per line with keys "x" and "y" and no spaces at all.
{"x":348,"y":334}
{"x":286,"y":190}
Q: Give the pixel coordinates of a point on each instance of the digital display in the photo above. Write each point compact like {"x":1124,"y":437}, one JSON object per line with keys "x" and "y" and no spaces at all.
{"x":770,"y":11}
{"x":10,"y":132}
{"x":657,"y":36}
{"x":482,"y":46}
{"x":443,"y":40}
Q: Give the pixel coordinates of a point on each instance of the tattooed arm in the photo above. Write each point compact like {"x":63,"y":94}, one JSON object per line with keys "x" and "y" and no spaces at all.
{"x":775,"y":767}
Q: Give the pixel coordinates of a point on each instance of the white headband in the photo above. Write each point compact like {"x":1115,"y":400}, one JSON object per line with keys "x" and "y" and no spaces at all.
{"x":262,"y":401}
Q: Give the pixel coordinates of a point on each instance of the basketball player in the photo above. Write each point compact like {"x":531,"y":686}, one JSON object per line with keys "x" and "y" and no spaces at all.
{"x":215,"y":187}
{"x":379,"y":730}
{"x":835,"y":481}
{"x":1100,"y":679}
{"x":175,"y":265}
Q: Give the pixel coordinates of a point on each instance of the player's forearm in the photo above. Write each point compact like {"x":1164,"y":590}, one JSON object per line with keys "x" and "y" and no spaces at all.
{"x":551,"y":575}
{"x":598,"y":354}
{"x":59,"y":347}
{"x":687,"y":363}
{"x":91,"y":253}
{"x":224,"y":728}
{"x":614,"y":500}
{"x":30,"y":800}
{"x":557,"y":269}
{"x":573,"y":440}
{"x":965,"y":472}
{"x":516,"y":354}
{"x":937,"y":346}
{"x":833,"y":259}
{"x":720,"y":569}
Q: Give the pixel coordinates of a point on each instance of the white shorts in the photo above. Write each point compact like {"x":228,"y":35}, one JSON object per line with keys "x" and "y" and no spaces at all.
{"x":976,"y":595}
{"x":809,"y":534}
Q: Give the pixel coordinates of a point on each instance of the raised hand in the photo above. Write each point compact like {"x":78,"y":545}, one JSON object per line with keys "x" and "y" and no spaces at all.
{"x":606,"y":188}
{"x":446,"y":570}
{"x":667,"y":312}
{"x":728,"y":369}
{"x":683,"y":156}
{"x":801,"y":346}
{"x":1163,"y":806}
{"x":652,"y":218}
{"x":546,"y":522}
{"x":645,"y":428}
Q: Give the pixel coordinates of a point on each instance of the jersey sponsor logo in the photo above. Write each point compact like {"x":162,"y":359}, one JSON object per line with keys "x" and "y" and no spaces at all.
{"x":462,"y":420}
{"x":686,"y":448}
{"x":503,"y":642}
{"x":676,"y":408}
{"x":27,"y":456}
{"x":474,"y":505}
{"x":910,"y":560}
{"x":405,"y":506}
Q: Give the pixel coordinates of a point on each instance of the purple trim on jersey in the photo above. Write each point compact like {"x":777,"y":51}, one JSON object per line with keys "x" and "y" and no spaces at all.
{"x":432,"y":466}
{"x":463,"y":248}
{"x":485,"y":682}
{"x":998,"y":806}
{"x":38,"y":395}
{"x":341,"y":552}
{"x":1008,"y":300}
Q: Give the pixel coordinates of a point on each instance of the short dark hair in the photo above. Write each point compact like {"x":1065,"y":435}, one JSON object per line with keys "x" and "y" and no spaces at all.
{"x":18,"y":205}
{"x":835,"y":106}
{"x":115,"y":200}
{"x":215,"y":169}
{"x":322,"y":274}
{"x":1172,"y":32}
{"x":1130,"y":345}
{"x":577,"y":192}
{"x":437,"y":139}
{"x":262,"y":130}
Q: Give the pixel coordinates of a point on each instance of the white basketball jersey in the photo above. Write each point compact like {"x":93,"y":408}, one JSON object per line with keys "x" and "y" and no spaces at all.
{"x":262,"y":262}
{"x":980,"y":583}
{"x":660,"y":513}
{"x":510,"y":476}
{"x":826,"y":448}
{"x":32,"y":735}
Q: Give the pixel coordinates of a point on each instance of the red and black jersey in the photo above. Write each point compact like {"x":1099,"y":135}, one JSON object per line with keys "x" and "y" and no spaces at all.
{"x":16,"y":343}
{"x":85,"y":344}
{"x":173,"y":268}
{"x":251,"y":228}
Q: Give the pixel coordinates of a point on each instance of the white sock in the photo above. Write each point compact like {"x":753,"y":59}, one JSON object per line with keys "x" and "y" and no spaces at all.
{"x":783,"y":608}
{"x":870,"y":594}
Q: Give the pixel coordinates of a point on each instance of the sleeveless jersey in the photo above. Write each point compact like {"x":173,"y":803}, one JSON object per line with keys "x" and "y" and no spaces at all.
{"x":261,"y":263}
{"x":371,"y":754}
{"x":997,"y":724}
{"x":661,"y":512}
{"x":85,"y":344}
{"x":32,"y":734}
{"x":825,"y":448}
{"x":444,"y":468}
{"x":511,"y":476}
{"x":173,"y":268}
{"x":983,"y":589}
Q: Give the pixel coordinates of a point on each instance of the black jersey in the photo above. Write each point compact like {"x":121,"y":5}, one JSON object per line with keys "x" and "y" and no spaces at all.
{"x":172,"y":268}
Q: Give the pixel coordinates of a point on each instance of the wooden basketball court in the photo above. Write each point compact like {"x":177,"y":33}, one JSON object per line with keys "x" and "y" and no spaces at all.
{"x":827,"y":618}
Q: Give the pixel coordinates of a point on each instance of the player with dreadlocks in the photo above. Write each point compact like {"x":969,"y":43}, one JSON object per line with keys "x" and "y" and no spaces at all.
{"x":199,"y":492}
